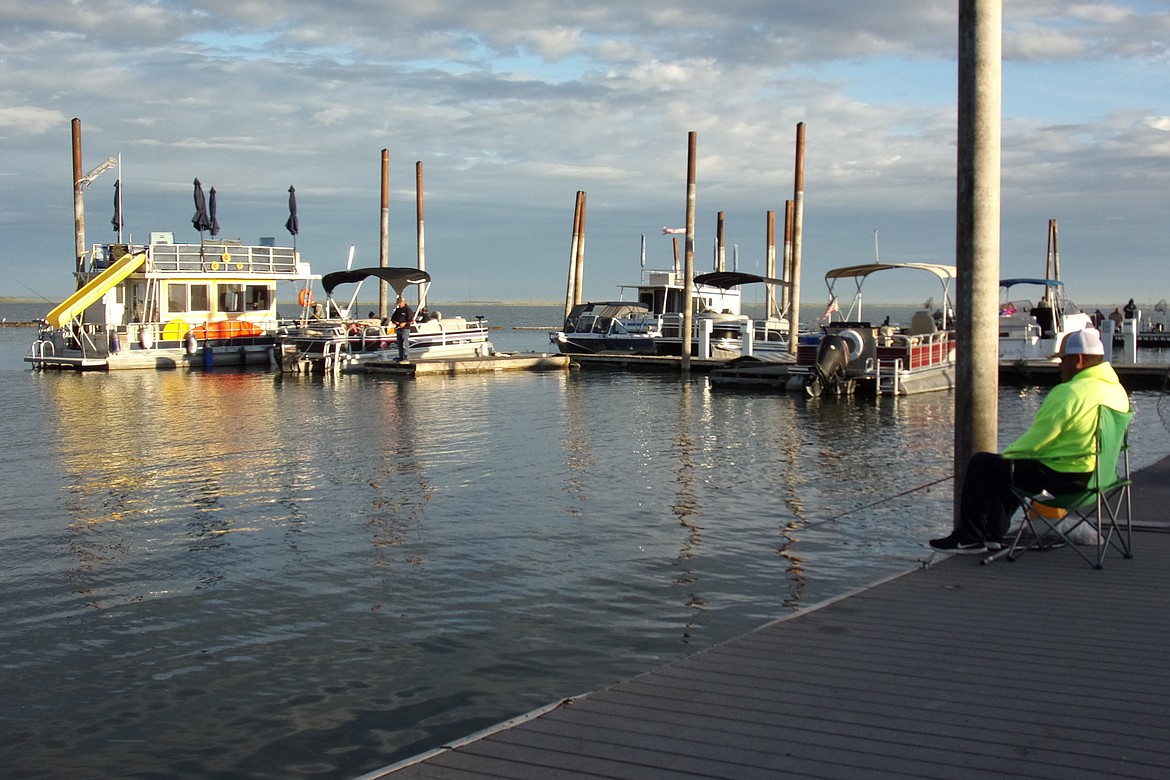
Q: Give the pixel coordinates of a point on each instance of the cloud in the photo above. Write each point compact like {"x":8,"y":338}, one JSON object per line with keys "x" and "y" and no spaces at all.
{"x":29,"y":120}
{"x":514,"y":106}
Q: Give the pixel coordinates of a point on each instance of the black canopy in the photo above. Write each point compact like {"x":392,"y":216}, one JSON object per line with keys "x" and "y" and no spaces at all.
{"x":398,"y":278}
{"x":725,"y":280}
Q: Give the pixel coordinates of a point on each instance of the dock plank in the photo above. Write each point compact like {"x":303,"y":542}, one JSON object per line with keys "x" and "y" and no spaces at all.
{"x":1042,"y":668}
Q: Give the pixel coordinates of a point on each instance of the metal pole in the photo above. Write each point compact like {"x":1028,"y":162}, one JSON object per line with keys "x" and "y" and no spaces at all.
{"x":977,"y":232}
{"x":78,"y":203}
{"x":689,"y":257}
{"x":384,"y":252}
{"x":797,"y":230}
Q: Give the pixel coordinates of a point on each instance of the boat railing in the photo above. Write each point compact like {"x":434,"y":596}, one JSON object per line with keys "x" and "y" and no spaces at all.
{"x":227,"y":258}
{"x":916,"y":351}
{"x":222,"y":257}
{"x":665,"y":278}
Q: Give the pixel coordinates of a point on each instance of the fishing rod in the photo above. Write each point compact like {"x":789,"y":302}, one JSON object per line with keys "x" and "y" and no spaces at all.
{"x":879,"y":502}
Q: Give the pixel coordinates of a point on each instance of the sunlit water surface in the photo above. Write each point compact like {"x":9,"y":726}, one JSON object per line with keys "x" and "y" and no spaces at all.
{"x":253,"y":575}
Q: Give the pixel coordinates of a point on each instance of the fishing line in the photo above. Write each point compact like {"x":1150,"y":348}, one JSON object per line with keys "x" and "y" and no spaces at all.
{"x":31,"y":290}
{"x":879,"y":502}
{"x":1163,"y":405}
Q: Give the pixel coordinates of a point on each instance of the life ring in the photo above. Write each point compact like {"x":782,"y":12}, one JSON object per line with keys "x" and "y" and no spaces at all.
{"x":855,"y":341}
{"x":305,"y":297}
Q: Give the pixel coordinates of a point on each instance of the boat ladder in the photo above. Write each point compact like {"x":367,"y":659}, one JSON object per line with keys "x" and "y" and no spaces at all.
{"x":889,"y":376}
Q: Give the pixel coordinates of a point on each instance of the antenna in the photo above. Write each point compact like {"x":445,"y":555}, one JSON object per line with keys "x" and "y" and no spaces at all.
{"x":876,"y":255}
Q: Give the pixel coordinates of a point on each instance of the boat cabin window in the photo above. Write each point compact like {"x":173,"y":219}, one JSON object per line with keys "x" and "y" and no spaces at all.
{"x":200,"y":297}
{"x":176,"y":297}
{"x":259,"y":297}
{"x":584,"y":323}
{"x":231,"y":297}
{"x":184,"y":297}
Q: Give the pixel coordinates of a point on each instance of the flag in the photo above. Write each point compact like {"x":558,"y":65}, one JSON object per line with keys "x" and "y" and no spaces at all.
{"x":831,"y":308}
{"x":672,"y":231}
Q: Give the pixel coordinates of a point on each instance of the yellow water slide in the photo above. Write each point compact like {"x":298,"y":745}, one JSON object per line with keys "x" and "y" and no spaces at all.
{"x":95,"y":288}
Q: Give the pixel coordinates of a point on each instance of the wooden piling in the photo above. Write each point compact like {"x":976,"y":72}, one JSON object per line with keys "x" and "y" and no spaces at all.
{"x":579,"y":267}
{"x":977,"y":232}
{"x":384,"y":249}
{"x":78,"y":203}
{"x":785,"y":295}
{"x":1053,"y":250}
{"x":573,"y":285}
{"x":720,"y":252}
{"x":418,"y":190}
{"x":689,"y":257}
{"x":797,"y":223}
{"x":770,"y":262}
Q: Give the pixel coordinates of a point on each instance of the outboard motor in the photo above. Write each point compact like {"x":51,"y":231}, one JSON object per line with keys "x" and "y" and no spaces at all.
{"x":829,"y":371}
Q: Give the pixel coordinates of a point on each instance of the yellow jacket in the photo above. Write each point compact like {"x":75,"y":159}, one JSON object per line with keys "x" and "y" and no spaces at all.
{"x":1061,"y":436}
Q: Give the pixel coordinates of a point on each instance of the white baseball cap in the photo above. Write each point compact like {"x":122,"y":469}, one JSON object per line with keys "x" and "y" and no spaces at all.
{"x":1082,"y":342}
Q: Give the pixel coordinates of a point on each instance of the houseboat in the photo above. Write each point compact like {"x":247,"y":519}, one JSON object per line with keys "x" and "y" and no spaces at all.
{"x":165,"y":305}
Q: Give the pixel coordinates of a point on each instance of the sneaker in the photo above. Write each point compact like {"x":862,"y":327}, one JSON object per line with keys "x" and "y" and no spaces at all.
{"x":953,"y":544}
{"x":993,"y":545}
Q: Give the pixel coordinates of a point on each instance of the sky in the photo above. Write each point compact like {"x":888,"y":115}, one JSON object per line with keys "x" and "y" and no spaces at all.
{"x":513,"y":106}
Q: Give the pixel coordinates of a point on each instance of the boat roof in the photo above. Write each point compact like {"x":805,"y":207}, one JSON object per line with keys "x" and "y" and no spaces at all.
{"x":398,"y":278}
{"x":587,"y":305}
{"x":1045,"y":282}
{"x":863,"y":270}
{"x":728,"y":279}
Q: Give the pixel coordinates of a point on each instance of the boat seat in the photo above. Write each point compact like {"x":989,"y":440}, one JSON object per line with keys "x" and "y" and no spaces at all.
{"x":921,"y":324}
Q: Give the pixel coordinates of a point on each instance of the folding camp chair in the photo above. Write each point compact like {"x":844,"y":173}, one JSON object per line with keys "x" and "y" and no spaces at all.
{"x":1103,"y":506}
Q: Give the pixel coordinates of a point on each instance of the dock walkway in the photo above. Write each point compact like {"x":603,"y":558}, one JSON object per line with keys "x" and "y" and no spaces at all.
{"x":936,"y":673}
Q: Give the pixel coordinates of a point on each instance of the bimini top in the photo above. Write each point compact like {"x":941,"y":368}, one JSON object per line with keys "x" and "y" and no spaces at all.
{"x":725,"y":280}
{"x":943,"y":272}
{"x":1046,"y":282}
{"x":398,"y":278}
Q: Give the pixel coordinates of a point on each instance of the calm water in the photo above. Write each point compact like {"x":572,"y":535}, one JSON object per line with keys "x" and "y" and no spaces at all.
{"x":253,"y":575}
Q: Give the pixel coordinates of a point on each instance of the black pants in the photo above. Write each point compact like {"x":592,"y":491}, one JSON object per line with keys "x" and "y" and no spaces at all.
{"x":987,"y":503}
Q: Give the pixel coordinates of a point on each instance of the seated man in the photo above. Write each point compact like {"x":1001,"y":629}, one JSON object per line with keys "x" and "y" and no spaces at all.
{"x":1055,"y":454}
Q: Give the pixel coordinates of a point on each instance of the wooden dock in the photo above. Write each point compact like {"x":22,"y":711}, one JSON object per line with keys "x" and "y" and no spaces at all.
{"x":774,"y":376}
{"x":1042,"y":668}
{"x":501,"y":361}
{"x":618,"y":361}
{"x":1135,"y":376}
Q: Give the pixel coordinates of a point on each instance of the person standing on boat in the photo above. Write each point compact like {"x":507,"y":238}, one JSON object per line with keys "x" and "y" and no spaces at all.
{"x":1057,"y":453}
{"x":1130,"y":310}
{"x":401,"y":318}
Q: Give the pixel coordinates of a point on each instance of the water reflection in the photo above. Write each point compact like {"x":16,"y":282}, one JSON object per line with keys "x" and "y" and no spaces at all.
{"x":401,"y":562}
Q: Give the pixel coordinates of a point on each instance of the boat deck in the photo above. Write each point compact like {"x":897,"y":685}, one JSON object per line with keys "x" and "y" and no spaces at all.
{"x":938,"y":672}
